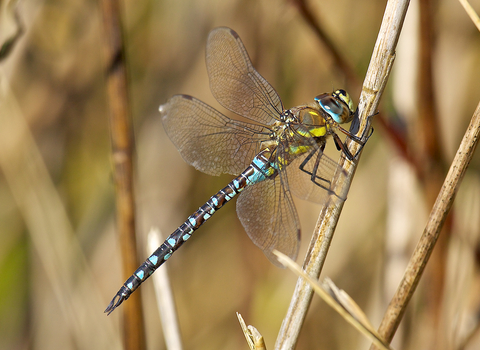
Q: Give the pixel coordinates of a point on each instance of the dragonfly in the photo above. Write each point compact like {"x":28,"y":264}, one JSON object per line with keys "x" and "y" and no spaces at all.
{"x":272,"y":151}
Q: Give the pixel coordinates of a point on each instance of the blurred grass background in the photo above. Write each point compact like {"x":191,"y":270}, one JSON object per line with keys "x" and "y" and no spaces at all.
{"x":59,"y":261}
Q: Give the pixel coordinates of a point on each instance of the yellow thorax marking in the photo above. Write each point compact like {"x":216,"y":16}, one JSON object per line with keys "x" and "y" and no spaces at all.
{"x":316,"y":131}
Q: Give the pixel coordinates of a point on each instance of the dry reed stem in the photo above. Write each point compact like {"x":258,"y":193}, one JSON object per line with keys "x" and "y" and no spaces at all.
{"x":122,"y":150}
{"x":252,"y":335}
{"x":353,"y":82}
{"x":374,"y":84}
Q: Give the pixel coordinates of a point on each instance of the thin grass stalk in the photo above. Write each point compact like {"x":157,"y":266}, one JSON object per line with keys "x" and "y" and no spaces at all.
{"x":424,"y":248}
{"x":374,"y":84}
{"x":122,"y":155}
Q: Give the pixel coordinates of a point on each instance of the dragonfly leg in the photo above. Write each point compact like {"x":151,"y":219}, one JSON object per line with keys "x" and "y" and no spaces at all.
{"x":364,"y":137}
{"x":317,"y":180}
{"x":360,"y":140}
{"x":364,"y":142}
{"x":342,"y":147}
{"x":312,"y":174}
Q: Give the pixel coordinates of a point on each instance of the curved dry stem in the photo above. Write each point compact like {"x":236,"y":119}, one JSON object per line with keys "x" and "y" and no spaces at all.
{"x":427,"y":241}
{"x":374,"y":84}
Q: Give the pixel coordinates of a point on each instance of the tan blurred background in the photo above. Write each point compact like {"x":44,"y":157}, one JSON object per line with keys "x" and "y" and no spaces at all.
{"x":59,"y":256}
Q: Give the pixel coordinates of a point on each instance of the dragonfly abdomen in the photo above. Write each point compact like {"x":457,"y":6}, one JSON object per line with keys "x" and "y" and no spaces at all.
{"x":257,"y":171}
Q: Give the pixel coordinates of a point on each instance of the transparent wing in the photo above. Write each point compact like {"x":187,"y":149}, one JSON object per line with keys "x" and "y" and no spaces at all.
{"x":267,"y":212}
{"x":301,"y":183}
{"x":208,"y":140}
{"x":234,"y":82}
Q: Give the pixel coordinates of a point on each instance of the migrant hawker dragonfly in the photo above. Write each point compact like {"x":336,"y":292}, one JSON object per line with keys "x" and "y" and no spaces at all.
{"x":273,"y":151}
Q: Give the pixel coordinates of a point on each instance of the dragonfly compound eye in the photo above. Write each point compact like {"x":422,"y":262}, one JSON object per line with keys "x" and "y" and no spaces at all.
{"x":337,"y":105}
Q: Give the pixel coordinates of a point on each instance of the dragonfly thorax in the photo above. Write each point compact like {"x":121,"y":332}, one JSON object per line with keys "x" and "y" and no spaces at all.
{"x":310,"y":123}
{"x":286,"y":116}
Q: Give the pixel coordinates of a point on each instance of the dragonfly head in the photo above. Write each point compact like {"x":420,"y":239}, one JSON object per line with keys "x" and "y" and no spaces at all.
{"x":337,"y":105}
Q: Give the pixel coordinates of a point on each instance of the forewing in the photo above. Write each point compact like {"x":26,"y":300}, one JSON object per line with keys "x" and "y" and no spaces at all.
{"x":234,"y":82}
{"x":207,"y":139}
{"x":267,"y":212}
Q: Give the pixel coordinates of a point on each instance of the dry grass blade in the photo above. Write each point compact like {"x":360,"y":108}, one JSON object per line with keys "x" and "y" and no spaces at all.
{"x":252,"y":335}
{"x":50,"y":230}
{"x":471,"y":13}
{"x":374,"y":84}
{"x":425,"y":246}
{"x":11,"y":28}
{"x":339,"y":301}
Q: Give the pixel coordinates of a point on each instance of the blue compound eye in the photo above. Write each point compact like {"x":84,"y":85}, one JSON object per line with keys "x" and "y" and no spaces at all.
{"x":337,"y":105}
